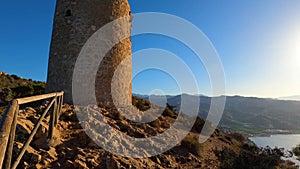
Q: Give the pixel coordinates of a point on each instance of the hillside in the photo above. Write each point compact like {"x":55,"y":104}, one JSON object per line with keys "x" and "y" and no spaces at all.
{"x":251,"y":115}
{"x":295,"y":98}
{"x":72,"y":148}
{"x":13,"y":86}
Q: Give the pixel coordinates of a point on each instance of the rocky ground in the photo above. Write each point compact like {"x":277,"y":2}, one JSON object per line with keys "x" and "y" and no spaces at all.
{"x":73,"y":148}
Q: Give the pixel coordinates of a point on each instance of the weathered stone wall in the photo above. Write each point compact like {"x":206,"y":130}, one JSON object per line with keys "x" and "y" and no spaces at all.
{"x":75,"y":21}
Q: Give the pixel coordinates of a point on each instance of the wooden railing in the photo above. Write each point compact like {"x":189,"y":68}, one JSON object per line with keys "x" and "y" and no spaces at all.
{"x":8,"y":126}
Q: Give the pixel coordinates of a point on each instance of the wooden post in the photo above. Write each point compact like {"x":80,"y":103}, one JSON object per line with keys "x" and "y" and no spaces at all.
{"x":11,"y":142}
{"x":62,"y":102}
{"x":58,"y":110}
{"x":52,"y":120}
{"x":37,"y":125}
{"x":5,"y":127}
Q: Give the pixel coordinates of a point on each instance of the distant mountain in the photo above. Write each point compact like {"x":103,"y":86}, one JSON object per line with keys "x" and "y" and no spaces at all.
{"x":141,"y":96}
{"x":154,"y":96}
{"x":250,"y":115}
{"x":296,"y":98}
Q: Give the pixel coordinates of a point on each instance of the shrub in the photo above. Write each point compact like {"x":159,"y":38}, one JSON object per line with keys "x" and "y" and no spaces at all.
{"x":172,"y":108}
{"x":6,"y":95}
{"x":198,"y":125}
{"x":23,"y":91}
{"x":140,"y":104}
{"x":134,"y":101}
{"x":39,"y":88}
{"x":251,"y":158}
{"x":239,"y":137}
{"x":118,"y":116}
{"x":170,"y":111}
{"x":296,"y":150}
{"x":227,"y":157}
{"x":156,"y":123}
{"x":15,"y":77}
{"x":192,"y":144}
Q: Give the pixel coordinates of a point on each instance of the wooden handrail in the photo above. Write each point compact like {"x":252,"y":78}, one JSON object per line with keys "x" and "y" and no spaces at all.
{"x":32,"y":135}
{"x":37,"y":98}
{"x":8,"y":125}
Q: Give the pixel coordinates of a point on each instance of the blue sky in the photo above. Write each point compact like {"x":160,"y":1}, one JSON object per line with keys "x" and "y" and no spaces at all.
{"x":257,"y":41}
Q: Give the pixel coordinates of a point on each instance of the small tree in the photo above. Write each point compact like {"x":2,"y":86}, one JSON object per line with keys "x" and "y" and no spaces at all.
{"x":15,"y":77}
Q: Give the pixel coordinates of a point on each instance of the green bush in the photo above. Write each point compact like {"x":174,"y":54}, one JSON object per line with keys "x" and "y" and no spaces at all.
{"x":28,"y":90}
{"x":15,"y":77}
{"x":39,"y":88}
{"x":23,"y":91}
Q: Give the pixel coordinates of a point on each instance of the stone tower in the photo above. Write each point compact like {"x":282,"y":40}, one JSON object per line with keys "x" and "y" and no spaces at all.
{"x":74,"y":22}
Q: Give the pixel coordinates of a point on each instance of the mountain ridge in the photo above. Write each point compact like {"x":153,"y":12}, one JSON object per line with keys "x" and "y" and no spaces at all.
{"x":250,"y":115}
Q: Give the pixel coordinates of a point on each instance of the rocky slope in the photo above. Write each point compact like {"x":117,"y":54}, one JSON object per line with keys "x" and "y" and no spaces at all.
{"x":72,"y":148}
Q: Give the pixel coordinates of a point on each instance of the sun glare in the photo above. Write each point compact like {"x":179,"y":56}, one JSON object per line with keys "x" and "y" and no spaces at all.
{"x":294,"y":52}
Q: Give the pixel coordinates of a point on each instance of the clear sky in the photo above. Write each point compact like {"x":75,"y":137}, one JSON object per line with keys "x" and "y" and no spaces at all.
{"x":257,"y":41}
